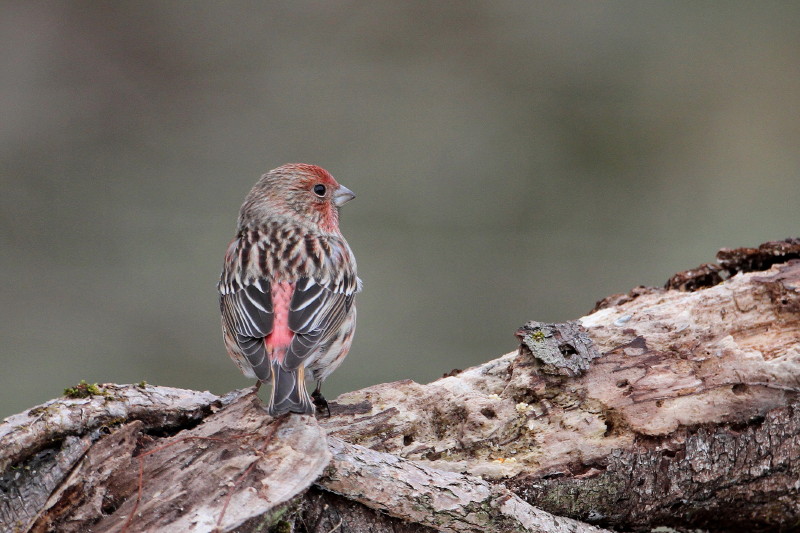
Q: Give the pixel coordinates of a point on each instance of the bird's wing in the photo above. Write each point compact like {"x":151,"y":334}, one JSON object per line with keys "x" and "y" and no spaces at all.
{"x":316,"y":312}
{"x":248,"y":315}
{"x":323,"y":294}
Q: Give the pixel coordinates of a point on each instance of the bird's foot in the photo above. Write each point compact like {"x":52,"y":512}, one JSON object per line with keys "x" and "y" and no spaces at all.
{"x":320,"y":402}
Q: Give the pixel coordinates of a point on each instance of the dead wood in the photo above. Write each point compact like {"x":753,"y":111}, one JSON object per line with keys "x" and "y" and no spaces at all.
{"x":673,"y":406}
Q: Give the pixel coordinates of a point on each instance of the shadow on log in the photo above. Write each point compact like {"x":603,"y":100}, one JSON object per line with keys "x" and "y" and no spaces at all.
{"x":673,"y":406}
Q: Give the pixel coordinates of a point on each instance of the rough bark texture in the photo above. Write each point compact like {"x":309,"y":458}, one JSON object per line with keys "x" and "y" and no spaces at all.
{"x":446,"y":500}
{"x":130,"y":476}
{"x":664,"y":407}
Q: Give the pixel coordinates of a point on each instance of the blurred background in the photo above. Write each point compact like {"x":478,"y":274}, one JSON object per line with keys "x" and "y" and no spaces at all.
{"x":512,"y":160}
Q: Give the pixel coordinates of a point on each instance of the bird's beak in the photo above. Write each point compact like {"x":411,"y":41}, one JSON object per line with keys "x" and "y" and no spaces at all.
{"x":342,"y":196}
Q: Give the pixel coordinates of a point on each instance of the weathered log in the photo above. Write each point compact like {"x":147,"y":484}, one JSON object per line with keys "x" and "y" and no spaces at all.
{"x":664,"y":407}
{"x":136,"y":476}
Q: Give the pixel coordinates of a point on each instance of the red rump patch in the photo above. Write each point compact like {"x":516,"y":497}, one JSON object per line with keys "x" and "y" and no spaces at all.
{"x":277,"y":342}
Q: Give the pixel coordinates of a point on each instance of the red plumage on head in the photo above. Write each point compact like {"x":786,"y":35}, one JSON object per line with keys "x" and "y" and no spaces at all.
{"x":322,"y":175}
{"x":288,"y":190}
{"x":312,"y":175}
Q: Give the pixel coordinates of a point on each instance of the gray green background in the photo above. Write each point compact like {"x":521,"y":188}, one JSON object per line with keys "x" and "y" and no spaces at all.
{"x":512,"y":160}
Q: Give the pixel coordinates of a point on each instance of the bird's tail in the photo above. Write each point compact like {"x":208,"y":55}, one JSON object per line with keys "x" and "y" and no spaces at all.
{"x":289,"y":391}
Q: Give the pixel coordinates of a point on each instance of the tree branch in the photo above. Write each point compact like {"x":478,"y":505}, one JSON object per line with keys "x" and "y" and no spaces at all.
{"x":664,"y":407}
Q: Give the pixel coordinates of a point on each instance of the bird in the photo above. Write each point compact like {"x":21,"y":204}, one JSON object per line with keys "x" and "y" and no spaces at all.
{"x":288,"y":286}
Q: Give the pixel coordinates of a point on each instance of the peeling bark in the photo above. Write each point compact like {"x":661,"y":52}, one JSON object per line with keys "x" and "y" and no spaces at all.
{"x":200,"y":478}
{"x":674,"y":406}
{"x":444,"y":500}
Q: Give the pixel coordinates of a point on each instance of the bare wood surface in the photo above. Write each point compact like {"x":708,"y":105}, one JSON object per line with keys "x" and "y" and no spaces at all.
{"x":675,"y":406}
{"x":440,"y":499}
{"x":25,"y":433}
{"x":41,"y":446}
{"x":201,"y":478}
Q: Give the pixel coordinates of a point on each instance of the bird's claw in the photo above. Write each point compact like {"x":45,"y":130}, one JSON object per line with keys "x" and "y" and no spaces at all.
{"x":320,"y":402}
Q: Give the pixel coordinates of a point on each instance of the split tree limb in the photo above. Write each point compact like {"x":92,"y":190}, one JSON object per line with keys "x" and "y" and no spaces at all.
{"x":675,"y":406}
{"x":436,"y":498}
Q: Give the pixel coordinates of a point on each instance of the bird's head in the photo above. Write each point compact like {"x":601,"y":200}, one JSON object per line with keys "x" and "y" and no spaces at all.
{"x":306,"y":193}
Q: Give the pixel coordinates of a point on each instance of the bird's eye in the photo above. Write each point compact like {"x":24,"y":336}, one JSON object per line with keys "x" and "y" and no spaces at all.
{"x":319,"y":189}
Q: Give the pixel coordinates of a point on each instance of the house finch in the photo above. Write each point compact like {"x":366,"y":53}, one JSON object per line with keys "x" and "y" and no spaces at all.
{"x":288,"y":285}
